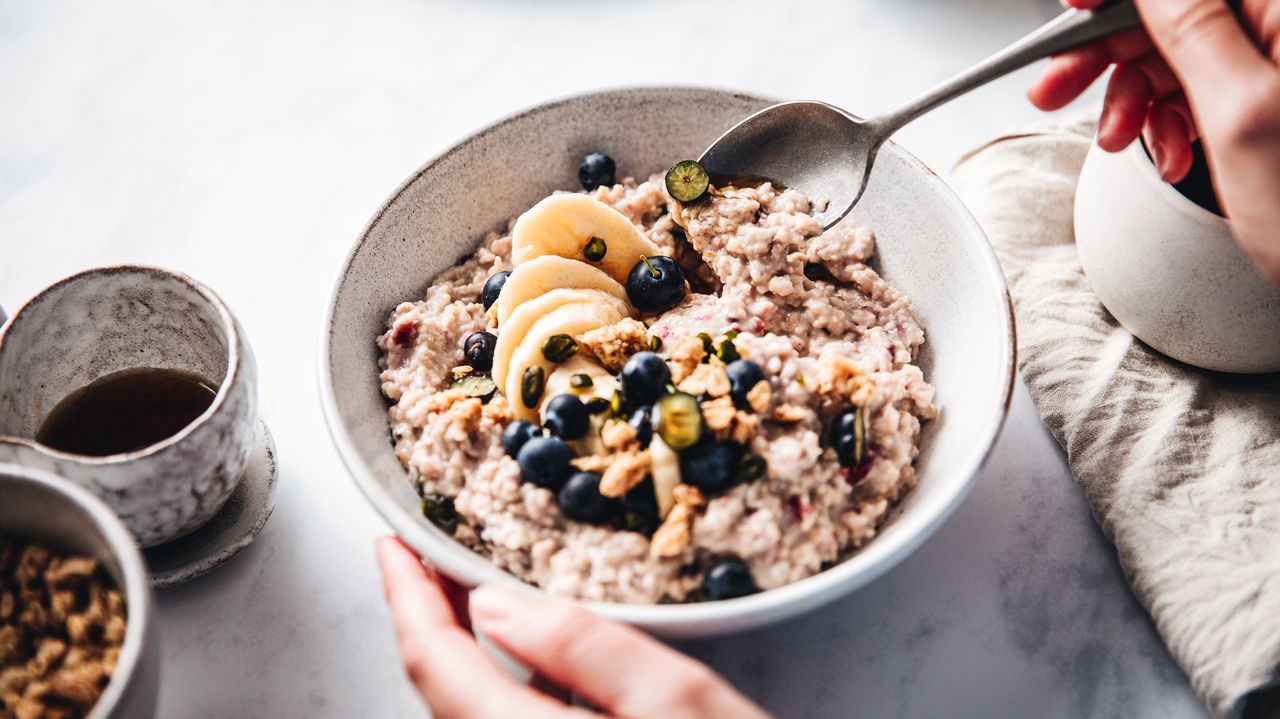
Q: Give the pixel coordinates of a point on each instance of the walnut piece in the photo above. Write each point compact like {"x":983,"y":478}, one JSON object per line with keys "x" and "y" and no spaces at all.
{"x":441,"y":401}
{"x":840,"y":379}
{"x":728,"y":422}
{"x":760,"y":396}
{"x":718,"y":413}
{"x":676,"y":533}
{"x":708,"y":379}
{"x":613,"y":344}
{"x":685,"y":355}
{"x":689,"y":495}
{"x":744,"y":428}
{"x":789,"y":413}
{"x":627,"y":470}
{"x":591,"y":463}
{"x":618,"y":436}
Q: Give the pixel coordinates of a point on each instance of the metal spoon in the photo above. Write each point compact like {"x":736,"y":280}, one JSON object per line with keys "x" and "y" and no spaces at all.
{"x":827,"y":153}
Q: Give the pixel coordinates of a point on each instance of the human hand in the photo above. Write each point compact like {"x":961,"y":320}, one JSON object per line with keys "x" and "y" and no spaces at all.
{"x":1193,"y":72}
{"x":618,"y":669}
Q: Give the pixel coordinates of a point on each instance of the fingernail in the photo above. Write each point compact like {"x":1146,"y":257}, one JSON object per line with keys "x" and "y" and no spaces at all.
{"x":381,"y":545}
{"x":1161,"y":159}
{"x":490,"y":604}
{"x":1104,"y":126}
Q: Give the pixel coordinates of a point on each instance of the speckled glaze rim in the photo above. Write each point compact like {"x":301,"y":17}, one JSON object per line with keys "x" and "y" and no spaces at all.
{"x":137,"y":588}
{"x":1183,"y":205}
{"x":226,"y":321}
{"x":774,"y":605}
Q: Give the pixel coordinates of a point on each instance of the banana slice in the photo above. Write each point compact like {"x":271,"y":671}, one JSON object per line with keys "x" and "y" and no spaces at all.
{"x":573,"y":319}
{"x":512,"y":332}
{"x":564,"y":224}
{"x":666,"y":473}
{"x":602,"y":385}
{"x":540,"y":275}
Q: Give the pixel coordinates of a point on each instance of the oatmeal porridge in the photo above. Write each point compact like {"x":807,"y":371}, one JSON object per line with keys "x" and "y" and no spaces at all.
{"x":660,"y":391}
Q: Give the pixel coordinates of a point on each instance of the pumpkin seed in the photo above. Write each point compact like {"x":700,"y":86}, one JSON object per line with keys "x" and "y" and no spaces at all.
{"x":440,"y":510}
{"x":727,"y":352}
{"x":559,"y":348}
{"x":595,"y":249}
{"x":532,"y":383}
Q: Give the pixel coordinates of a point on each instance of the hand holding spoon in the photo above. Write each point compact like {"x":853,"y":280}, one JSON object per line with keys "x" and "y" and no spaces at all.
{"x":827,"y":153}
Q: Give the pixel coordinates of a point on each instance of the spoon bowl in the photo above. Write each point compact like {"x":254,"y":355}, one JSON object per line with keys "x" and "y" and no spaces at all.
{"x":827,"y":153}
{"x":815,"y":148}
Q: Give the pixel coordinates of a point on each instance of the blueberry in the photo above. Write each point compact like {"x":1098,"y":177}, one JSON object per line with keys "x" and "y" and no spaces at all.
{"x":687,"y":181}
{"x":516,"y":434}
{"x":743,"y":376}
{"x":640,"y":509}
{"x":477,"y":384}
{"x":727,"y":580}
{"x":848,"y":436}
{"x":544,"y":462}
{"x":477,"y":350}
{"x":644,"y":378}
{"x":711,"y":466}
{"x":656,"y":284}
{"x":567,"y":417}
{"x":596,"y":169}
{"x":492,"y":287}
{"x":581,"y":501}
{"x":642,"y":423}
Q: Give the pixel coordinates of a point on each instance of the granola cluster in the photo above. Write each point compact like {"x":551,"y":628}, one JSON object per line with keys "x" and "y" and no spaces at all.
{"x":613,"y":344}
{"x":62,"y":623}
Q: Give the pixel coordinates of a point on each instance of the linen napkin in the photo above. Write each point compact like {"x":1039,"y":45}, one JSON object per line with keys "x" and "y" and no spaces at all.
{"x":1181,"y":466}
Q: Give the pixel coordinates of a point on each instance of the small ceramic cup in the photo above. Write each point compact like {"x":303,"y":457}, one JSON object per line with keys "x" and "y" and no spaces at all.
{"x":1169,"y":270}
{"x":127,"y":316}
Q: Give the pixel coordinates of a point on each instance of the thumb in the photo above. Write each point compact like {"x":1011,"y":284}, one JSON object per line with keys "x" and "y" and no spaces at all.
{"x":1204,"y":43}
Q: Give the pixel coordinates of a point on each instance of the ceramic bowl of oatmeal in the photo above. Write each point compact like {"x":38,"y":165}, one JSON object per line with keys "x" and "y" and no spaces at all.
{"x":677,"y":399}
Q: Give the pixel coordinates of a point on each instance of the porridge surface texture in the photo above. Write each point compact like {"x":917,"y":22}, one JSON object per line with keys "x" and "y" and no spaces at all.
{"x":806,"y":308}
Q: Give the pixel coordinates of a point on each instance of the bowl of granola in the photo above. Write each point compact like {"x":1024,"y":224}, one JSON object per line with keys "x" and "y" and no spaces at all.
{"x":674,"y":397}
{"x":75,"y":631}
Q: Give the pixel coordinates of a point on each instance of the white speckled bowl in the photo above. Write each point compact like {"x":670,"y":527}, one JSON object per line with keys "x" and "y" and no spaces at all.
{"x":1169,"y":270}
{"x":929,"y":246}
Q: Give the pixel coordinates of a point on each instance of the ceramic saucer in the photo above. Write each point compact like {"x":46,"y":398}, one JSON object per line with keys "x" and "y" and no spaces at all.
{"x":229,"y":531}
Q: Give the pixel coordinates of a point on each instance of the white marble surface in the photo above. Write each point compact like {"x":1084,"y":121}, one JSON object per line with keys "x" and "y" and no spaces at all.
{"x":247,"y":142}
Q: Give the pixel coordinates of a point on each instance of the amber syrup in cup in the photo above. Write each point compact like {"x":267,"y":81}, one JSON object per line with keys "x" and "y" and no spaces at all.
{"x":126,"y":411}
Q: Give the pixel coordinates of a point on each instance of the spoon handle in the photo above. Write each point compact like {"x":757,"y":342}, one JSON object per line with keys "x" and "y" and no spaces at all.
{"x":1071,"y":29}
